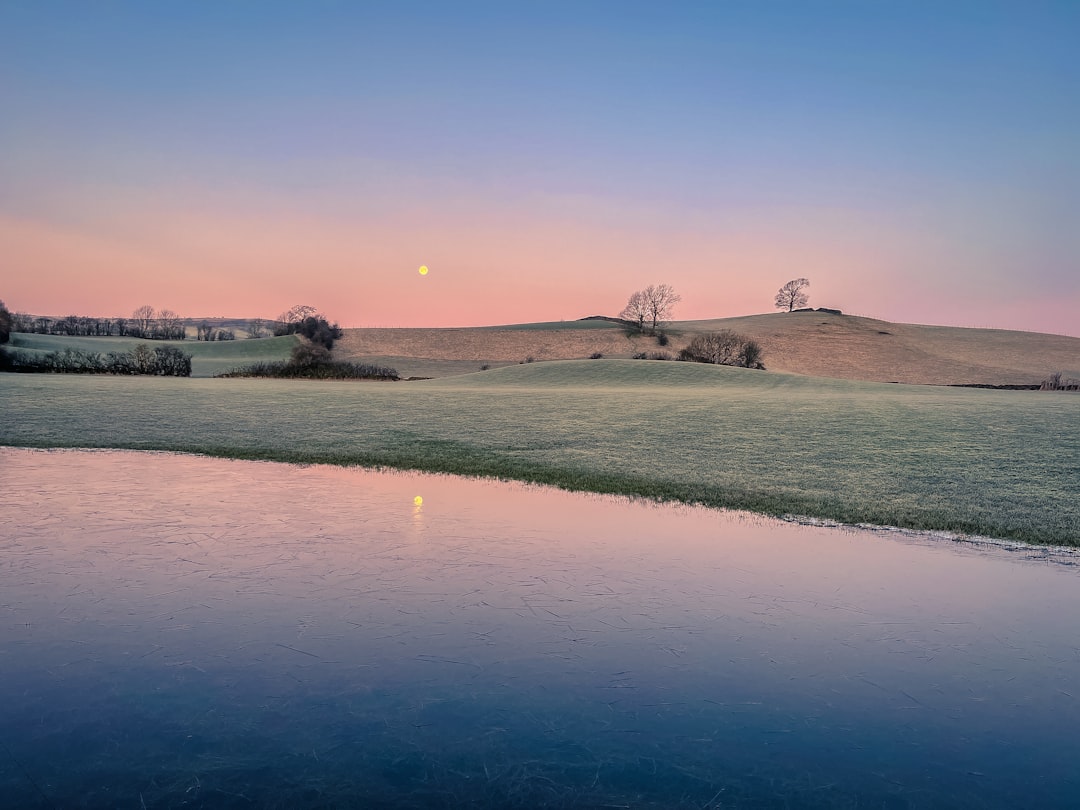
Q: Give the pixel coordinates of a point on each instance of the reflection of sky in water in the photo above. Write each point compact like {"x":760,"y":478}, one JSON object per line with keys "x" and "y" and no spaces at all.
{"x":182,"y":629}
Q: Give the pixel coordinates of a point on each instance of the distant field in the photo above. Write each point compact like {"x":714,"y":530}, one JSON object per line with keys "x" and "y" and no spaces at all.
{"x":207,"y":358}
{"x":814,"y":343}
{"x":1003,"y":464}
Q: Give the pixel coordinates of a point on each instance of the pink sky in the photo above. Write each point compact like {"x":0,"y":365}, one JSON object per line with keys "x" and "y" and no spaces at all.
{"x":562,"y":260}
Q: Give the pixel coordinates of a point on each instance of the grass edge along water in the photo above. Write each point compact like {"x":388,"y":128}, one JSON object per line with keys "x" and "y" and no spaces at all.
{"x":990,"y":463}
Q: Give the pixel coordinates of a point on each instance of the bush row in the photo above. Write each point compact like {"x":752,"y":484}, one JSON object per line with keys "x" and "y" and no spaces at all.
{"x":326,"y":370}
{"x":163,"y":361}
{"x":311,"y":361}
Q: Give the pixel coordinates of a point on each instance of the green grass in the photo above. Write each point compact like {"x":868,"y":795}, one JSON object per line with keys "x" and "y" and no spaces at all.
{"x":1002,"y":464}
{"x":207,"y":358}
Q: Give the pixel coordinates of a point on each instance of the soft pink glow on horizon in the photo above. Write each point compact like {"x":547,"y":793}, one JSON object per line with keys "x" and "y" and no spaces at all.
{"x":486,"y":268}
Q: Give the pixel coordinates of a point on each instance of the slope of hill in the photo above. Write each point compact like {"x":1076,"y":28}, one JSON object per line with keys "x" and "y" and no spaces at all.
{"x":819,"y":344}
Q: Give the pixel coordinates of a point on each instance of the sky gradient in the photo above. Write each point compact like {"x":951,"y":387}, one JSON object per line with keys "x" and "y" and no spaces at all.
{"x":916,"y":161}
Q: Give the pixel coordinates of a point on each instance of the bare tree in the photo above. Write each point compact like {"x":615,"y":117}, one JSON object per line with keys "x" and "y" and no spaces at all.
{"x":791,"y":295}
{"x":170,"y":325}
{"x":143,"y":319}
{"x":655,"y":304}
{"x":636,"y":310}
{"x":290,"y":321}
{"x":662,"y":300}
{"x":256,"y":328}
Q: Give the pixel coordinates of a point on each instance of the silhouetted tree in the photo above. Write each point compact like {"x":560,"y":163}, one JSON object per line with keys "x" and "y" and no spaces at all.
{"x":288,"y":322}
{"x":653,"y":305}
{"x":791,"y":295}
{"x":143,"y":321}
{"x":636,"y":310}
{"x":170,"y":326}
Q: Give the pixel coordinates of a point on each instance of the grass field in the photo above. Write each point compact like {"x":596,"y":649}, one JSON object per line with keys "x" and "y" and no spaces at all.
{"x":207,"y":358}
{"x":1002,"y":464}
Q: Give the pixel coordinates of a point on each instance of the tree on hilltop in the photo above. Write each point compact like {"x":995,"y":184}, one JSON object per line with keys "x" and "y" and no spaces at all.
{"x":294,"y":316}
{"x":636,"y":310}
{"x":306,"y":321}
{"x":653,"y":305}
{"x":791,"y":295}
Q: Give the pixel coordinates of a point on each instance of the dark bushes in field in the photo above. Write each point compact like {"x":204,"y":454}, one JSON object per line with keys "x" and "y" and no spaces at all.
{"x":311,"y":361}
{"x":306,"y":321}
{"x":163,"y":361}
{"x":725,"y":348}
{"x":329,"y":370}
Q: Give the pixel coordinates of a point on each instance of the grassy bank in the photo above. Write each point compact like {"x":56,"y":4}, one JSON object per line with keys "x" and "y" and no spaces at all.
{"x":1003,"y":464}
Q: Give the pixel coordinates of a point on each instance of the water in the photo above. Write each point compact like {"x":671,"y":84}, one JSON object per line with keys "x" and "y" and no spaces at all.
{"x":187,"y":632}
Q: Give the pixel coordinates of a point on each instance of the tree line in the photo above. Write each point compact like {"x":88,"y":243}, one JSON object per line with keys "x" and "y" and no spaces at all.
{"x":145,"y":322}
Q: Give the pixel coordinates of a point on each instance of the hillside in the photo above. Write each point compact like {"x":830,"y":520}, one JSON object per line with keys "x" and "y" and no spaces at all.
{"x":814,"y":343}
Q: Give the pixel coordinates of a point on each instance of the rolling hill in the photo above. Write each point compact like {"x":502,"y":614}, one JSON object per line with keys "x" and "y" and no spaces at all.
{"x":815,"y":343}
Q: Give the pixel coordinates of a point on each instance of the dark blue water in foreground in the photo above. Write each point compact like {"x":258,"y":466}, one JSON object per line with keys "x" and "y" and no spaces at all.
{"x":186,"y":632}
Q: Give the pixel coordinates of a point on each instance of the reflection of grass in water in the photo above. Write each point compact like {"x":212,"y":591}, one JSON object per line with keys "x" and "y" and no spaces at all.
{"x":983,"y":462}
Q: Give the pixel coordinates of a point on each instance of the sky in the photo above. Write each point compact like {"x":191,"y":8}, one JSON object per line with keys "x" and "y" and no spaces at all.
{"x":916,"y":161}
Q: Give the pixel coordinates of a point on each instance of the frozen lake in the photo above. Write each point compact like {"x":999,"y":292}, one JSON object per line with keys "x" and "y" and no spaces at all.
{"x":189,"y":632}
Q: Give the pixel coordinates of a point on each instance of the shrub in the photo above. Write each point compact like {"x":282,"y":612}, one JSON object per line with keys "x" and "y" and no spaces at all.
{"x":596,"y":356}
{"x":639,"y":356}
{"x":309,"y":354}
{"x":328,"y":370}
{"x":312,"y":361}
{"x":662,"y":339}
{"x":169,"y":361}
{"x":725,"y":348}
